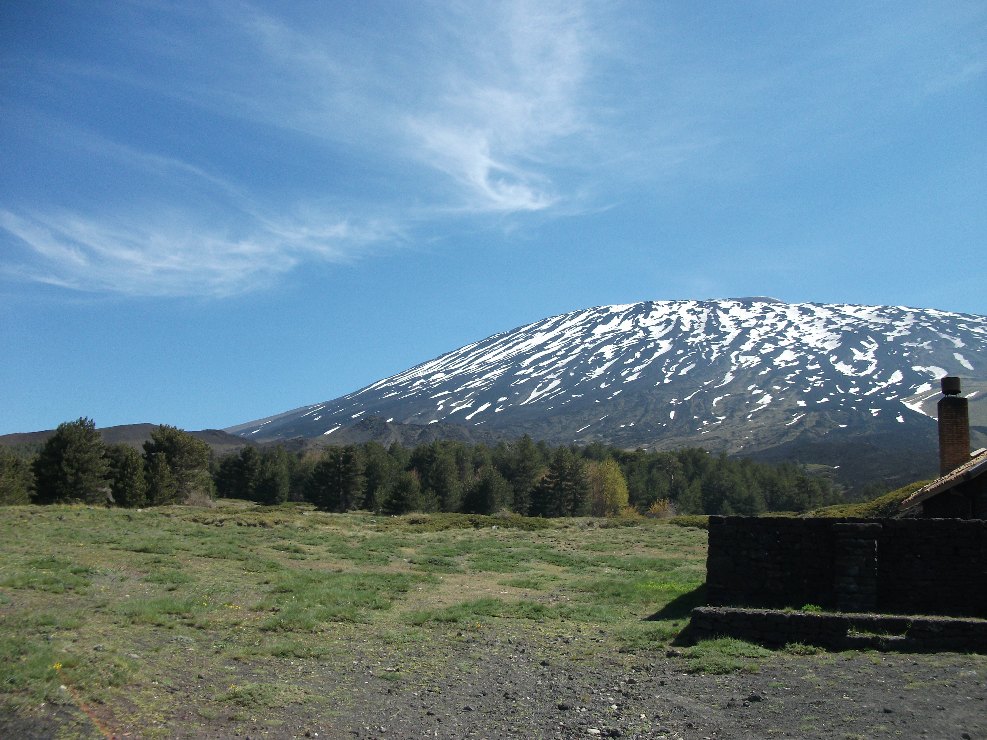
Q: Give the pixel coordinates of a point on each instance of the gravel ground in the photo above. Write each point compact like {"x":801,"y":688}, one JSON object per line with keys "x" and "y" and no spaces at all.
{"x":542,"y":686}
{"x":517,"y":691}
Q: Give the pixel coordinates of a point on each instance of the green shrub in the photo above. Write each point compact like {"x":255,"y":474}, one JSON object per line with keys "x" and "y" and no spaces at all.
{"x":697,"y":521}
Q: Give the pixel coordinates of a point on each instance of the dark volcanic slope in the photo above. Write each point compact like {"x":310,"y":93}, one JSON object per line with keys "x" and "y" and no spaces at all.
{"x":131,"y":434}
{"x":735,"y":375}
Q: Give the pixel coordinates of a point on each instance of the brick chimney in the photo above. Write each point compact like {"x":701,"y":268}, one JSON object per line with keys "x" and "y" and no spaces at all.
{"x":954,"y":426}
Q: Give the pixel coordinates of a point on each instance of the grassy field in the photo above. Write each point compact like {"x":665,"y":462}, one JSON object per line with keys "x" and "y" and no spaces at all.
{"x":188,"y":620}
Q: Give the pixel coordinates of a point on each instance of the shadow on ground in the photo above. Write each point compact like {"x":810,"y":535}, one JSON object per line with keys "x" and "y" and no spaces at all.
{"x":681,"y":606}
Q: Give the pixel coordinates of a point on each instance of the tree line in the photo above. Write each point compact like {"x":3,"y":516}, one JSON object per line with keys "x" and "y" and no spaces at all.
{"x":523,"y":476}
{"x":75,"y":465}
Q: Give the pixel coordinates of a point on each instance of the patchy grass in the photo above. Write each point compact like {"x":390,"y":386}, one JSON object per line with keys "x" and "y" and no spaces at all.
{"x":640,"y":636}
{"x":255,"y":695}
{"x":725,"y":655}
{"x":800,"y":648}
{"x":48,"y":573}
{"x":210,"y":617}
{"x":533,"y":582}
{"x":163,"y":611}
{"x":306,"y":599}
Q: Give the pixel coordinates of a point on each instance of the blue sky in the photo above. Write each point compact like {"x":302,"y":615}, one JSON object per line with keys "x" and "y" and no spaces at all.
{"x":215,"y":211}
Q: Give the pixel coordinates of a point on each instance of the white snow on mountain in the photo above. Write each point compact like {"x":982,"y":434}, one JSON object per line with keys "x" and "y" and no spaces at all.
{"x":725,"y":359}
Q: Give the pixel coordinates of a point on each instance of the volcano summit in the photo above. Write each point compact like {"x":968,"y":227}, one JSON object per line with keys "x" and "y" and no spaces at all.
{"x":750,"y":376}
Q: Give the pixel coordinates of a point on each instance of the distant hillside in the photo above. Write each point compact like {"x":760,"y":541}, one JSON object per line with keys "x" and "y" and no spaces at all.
{"x":130,"y":434}
{"x":386,"y":433}
{"x":366,"y":430}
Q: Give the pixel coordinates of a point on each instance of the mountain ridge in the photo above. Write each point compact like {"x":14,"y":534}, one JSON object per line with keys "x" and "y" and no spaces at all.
{"x":133,"y":435}
{"x":742,"y":376}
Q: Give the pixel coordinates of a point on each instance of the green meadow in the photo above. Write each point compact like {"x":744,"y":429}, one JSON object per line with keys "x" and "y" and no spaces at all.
{"x":188,"y":617}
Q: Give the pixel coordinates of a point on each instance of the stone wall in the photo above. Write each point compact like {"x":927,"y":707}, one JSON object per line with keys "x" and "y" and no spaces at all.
{"x":837,"y":631}
{"x":907,"y":566}
{"x":933,"y":566}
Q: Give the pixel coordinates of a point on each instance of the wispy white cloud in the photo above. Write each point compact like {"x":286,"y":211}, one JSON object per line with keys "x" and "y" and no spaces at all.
{"x":483,"y":95}
{"x":495,"y":120}
{"x":338,"y":129}
{"x":463,"y":114}
{"x":169,"y":257}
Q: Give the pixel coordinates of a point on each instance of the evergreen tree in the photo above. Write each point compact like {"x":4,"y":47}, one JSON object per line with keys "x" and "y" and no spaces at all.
{"x":16,"y":478}
{"x":635,"y":468}
{"x":523,"y":465}
{"x":162,"y":489}
{"x":666,"y":479}
{"x":227,"y":478}
{"x":336,"y":483}
{"x":404,"y":496}
{"x":248,"y":474}
{"x":453,"y":476}
{"x":400,"y":455}
{"x":438,"y":475}
{"x":596,"y":451}
{"x":488,"y":493}
{"x":564,"y":489}
{"x":724,"y":490}
{"x":274,"y":477}
{"x":380,"y":471}
{"x":301,"y":468}
{"x":690,"y":500}
{"x":576,"y":490}
{"x":72,"y":465}
{"x":263,"y":477}
{"x":127,"y":482}
{"x":445,"y":481}
{"x":186,"y":460}
{"x":695,"y":462}
{"x":473,"y":460}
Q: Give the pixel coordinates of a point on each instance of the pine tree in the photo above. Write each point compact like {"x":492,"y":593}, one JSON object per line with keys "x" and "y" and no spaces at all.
{"x":162,"y":489}
{"x":438,"y":474}
{"x":16,"y":478}
{"x":301,"y":468}
{"x":127,"y":481}
{"x":690,"y":500}
{"x":336,"y":483}
{"x":575,"y":495}
{"x":488,"y":493}
{"x":228,"y":478}
{"x":404,"y":496}
{"x":526,"y":467}
{"x":248,"y":474}
{"x":274,"y":477}
{"x":380,"y":471}
{"x":72,"y":465}
{"x":186,"y":460}
{"x":564,"y":489}
{"x":263,"y":477}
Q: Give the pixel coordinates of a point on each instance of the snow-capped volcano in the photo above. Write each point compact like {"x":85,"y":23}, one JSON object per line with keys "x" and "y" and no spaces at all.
{"x":745,"y":374}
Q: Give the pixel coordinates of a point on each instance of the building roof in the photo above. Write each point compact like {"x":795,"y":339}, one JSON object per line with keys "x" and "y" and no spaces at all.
{"x":976,"y":466}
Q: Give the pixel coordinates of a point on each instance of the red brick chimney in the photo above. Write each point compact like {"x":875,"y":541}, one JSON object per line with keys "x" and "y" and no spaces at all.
{"x":954,"y":427}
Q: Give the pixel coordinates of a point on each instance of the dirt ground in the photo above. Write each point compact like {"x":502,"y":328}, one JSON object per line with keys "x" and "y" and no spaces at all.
{"x":538,"y":686}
